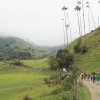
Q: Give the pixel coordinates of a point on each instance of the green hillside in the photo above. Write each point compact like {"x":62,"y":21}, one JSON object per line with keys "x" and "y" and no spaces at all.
{"x":12,"y":47}
{"x":90,"y":60}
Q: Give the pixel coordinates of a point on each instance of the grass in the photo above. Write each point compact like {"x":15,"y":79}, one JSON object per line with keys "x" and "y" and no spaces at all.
{"x":84,"y":93}
{"x":41,"y":63}
{"x":90,"y":61}
{"x":14,"y":86}
{"x":17,"y":81}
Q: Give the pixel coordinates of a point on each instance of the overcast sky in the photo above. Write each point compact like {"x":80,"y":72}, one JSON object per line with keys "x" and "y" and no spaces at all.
{"x":40,"y":20}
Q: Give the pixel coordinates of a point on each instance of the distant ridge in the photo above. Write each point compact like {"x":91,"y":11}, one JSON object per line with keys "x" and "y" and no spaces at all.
{"x":13,"y":47}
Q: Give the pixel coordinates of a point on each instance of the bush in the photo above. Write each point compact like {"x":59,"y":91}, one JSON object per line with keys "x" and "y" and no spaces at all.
{"x":84,"y":49}
{"x":16,"y":62}
{"x":27,"y":98}
{"x":79,"y":48}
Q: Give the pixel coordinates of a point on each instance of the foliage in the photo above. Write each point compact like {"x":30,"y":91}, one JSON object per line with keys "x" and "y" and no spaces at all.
{"x":16,"y":62}
{"x":27,"y":98}
{"x":15,"y":48}
{"x":64,"y":82}
{"x":79,"y":48}
{"x":53,"y":62}
{"x":63,"y":59}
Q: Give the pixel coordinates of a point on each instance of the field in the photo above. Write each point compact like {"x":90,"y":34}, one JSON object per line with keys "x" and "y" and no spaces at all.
{"x":41,"y":63}
{"x":17,"y":82}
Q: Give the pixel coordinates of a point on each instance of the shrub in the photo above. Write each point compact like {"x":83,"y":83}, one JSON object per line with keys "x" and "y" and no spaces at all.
{"x":79,"y":48}
{"x":26,"y":97}
{"x":16,"y":62}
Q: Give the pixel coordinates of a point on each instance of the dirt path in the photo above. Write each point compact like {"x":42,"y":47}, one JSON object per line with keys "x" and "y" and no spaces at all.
{"x":94,"y":90}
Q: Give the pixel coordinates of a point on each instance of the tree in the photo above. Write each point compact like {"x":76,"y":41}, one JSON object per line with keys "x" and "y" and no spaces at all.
{"x":64,"y":10}
{"x":77,"y":8}
{"x":98,"y":16}
{"x":90,"y":10}
{"x":53,"y":62}
{"x":64,"y":58}
{"x":88,"y":15}
{"x":79,"y":4}
{"x":83,"y":15}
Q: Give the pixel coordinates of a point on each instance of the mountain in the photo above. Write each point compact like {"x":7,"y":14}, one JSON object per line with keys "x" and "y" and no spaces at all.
{"x":87,"y":51}
{"x":52,"y":50}
{"x":13,"y":47}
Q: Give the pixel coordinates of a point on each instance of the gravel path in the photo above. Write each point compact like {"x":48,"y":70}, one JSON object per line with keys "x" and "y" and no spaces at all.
{"x":94,"y":89}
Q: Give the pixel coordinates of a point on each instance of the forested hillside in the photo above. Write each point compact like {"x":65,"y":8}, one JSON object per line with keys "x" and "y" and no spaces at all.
{"x":12,"y":48}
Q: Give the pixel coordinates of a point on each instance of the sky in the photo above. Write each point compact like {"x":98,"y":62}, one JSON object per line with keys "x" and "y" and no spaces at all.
{"x":40,"y":21}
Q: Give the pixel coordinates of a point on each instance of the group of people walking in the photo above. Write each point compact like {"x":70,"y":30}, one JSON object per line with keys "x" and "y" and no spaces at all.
{"x":95,"y":78}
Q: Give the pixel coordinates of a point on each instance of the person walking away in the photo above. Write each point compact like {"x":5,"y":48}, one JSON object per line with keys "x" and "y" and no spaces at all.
{"x":85,"y":76}
{"x":91,"y":76}
{"x":97,"y":79}
{"x":88,"y":77}
{"x":82,"y":76}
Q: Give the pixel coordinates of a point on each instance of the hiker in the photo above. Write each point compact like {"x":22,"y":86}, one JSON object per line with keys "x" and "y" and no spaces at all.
{"x":85,"y":76}
{"x":82,"y":76}
{"x":88,"y":77}
{"x":97,"y":79}
{"x":93,"y":77}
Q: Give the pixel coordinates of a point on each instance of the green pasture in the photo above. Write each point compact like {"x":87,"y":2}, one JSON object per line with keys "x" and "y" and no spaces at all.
{"x":17,"y":81}
{"x":15,"y":86}
{"x":41,"y":63}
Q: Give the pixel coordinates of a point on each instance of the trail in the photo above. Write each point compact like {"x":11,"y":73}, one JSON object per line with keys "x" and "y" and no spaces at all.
{"x":94,"y":89}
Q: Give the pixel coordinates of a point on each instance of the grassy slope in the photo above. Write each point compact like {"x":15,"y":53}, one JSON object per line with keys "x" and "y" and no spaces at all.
{"x":16,"y":82}
{"x":89,"y":61}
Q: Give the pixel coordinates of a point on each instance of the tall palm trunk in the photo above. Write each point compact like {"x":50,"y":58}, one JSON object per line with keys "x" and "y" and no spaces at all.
{"x":78,"y":24}
{"x":92,"y":17}
{"x":63,"y":30}
{"x":89,"y":20}
{"x":66,"y":27}
{"x":83,"y":15}
{"x":69,"y":28}
{"x":98,"y":21}
{"x":67,"y":34}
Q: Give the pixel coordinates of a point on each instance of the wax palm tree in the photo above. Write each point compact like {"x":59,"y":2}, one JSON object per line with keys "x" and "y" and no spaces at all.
{"x":63,"y":29}
{"x":66,"y":14}
{"x":69,"y":27}
{"x":98,"y":16}
{"x":64,"y":10}
{"x":83,"y":15}
{"x":88,"y":15}
{"x":79,"y":4}
{"x":77,"y":8}
{"x":88,"y":5}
